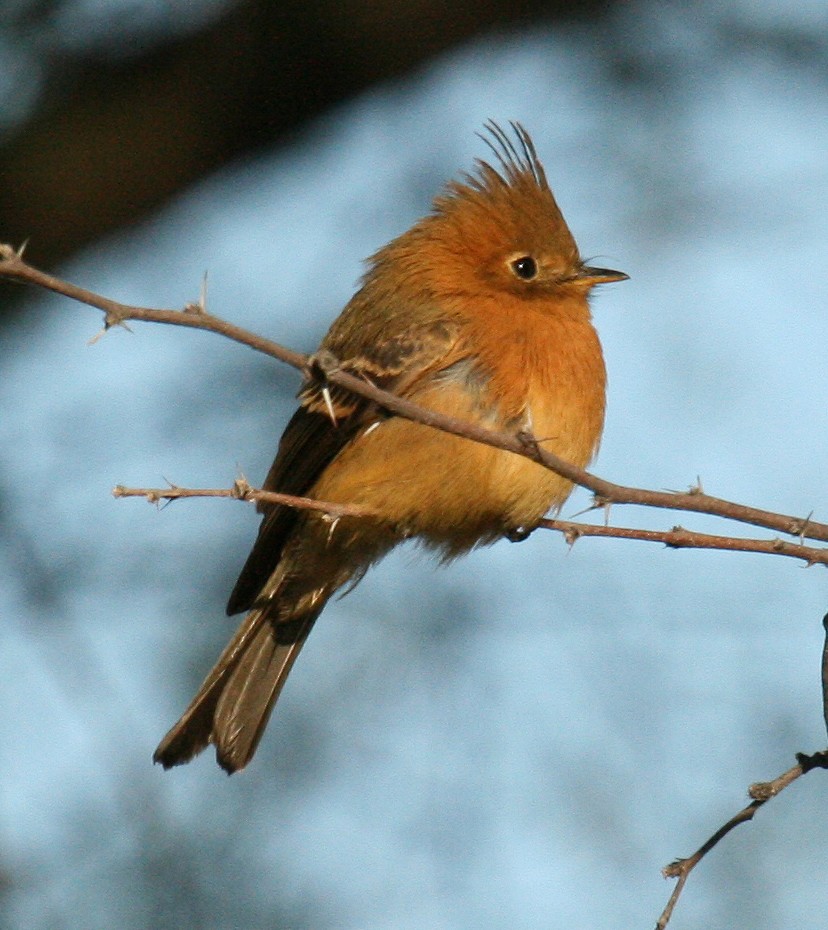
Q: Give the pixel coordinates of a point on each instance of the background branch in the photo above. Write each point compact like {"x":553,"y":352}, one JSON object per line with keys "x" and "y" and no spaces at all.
{"x":761,"y":793}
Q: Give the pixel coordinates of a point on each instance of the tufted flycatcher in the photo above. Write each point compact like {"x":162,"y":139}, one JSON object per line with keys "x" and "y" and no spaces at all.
{"x":479,"y":311}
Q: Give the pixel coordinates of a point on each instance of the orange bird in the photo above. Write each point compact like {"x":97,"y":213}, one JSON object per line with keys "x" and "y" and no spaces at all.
{"x":479,"y":311}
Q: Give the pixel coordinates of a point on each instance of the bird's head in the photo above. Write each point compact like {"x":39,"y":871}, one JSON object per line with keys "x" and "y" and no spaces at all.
{"x":495,"y":230}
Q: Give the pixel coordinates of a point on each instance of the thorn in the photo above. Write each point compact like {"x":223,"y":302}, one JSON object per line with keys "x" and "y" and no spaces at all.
{"x":199,"y":306}
{"x":364,"y":375}
{"x":202,"y":297}
{"x":23,"y":246}
{"x":804,"y":527}
{"x":96,"y":337}
{"x":110,"y":319}
{"x":318,"y":367}
{"x":241,"y":489}
{"x":160,"y":498}
{"x":580,"y":513}
{"x":529,"y":443}
{"x":331,"y":528}
{"x":696,"y":488}
{"x":326,"y":396}
{"x":597,"y":503}
{"x":571,"y":536}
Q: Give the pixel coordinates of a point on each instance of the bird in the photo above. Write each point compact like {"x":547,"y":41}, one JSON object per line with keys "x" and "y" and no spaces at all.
{"x":479,"y":311}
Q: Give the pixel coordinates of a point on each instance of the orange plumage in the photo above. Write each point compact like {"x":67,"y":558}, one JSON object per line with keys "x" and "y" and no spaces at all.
{"x":478,"y":311}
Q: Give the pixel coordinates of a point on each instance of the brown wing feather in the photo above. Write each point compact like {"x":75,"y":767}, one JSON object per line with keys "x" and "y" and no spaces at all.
{"x":310,"y":442}
{"x":234,"y":703}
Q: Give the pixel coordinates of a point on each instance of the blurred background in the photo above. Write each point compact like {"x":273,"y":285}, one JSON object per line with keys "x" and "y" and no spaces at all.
{"x":522,"y":739}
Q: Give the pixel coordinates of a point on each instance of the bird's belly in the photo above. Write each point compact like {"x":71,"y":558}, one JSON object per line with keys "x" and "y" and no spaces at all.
{"x":451,"y":492}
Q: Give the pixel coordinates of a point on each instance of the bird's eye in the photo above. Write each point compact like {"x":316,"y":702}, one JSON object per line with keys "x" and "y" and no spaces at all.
{"x":525,"y":267}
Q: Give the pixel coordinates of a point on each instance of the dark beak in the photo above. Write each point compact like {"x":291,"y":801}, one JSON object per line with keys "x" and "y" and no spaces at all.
{"x":591,"y":276}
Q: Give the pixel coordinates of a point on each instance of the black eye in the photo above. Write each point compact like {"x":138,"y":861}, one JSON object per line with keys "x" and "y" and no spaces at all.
{"x":525,"y":267}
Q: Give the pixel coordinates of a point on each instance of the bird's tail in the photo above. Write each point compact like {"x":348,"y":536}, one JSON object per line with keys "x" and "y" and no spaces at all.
{"x":233,"y":705}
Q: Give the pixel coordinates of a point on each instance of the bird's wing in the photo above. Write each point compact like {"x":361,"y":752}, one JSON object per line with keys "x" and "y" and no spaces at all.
{"x":323,"y":425}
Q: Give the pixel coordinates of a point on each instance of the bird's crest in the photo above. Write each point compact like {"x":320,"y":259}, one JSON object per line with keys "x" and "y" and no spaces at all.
{"x":503,"y":206}
{"x":516,"y":159}
{"x":514,"y":169}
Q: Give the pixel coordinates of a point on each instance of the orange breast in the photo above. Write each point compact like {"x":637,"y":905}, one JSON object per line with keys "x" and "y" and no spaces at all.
{"x":546,"y":375}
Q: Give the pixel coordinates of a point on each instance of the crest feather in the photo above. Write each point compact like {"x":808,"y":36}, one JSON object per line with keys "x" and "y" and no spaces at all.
{"x":516,"y":159}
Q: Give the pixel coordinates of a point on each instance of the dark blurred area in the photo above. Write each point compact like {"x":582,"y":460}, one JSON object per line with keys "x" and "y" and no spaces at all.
{"x":119,"y":122}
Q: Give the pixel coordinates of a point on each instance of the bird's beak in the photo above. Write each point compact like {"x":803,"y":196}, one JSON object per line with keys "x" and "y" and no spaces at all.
{"x":592,"y":276}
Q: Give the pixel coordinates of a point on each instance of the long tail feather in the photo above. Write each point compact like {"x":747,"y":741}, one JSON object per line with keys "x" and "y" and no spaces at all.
{"x":234,"y":703}
{"x":246,"y":702}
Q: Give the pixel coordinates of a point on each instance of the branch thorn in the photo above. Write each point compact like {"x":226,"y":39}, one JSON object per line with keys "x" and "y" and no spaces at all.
{"x":529,"y":443}
{"x":200,"y":305}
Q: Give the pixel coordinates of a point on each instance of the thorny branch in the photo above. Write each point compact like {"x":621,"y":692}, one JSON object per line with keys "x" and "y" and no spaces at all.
{"x":195,"y":316}
{"x":680,"y":538}
{"x":761,"y":793}
{"x":243,"y":491}
{"x":676,"y":538}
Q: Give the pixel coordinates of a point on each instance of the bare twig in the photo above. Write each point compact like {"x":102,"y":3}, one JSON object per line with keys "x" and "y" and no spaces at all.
{"x":680,"y":538}
{"x":695,"y":500}
{"x":761,"y":793}
{"x":192,"y":316}
{"x":242,"y":491}
{"x":676,"y":538}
